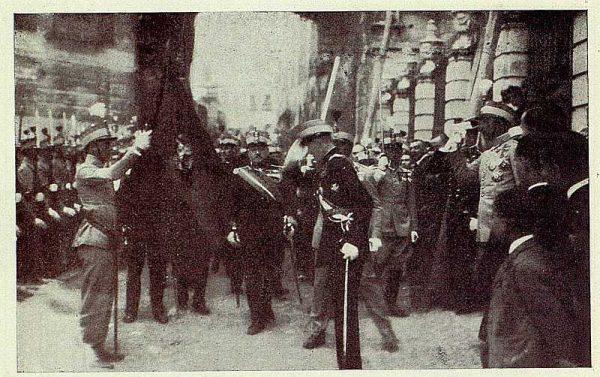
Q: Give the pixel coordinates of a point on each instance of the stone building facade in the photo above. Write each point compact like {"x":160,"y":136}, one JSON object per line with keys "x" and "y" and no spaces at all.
{"x":419,"y":71}
{"x":65,"y":63}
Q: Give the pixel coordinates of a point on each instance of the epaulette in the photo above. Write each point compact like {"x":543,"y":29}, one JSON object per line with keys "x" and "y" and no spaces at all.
{"x":513,"y":133}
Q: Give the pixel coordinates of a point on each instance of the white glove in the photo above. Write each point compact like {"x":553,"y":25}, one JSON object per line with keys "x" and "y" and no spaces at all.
{"x":77,"y":207}
{"x":142,"y":140}
{"x":414,"y":236}
{"x":383,"y":163}
{"x":40,"y":223}
{"x":473,"y":224}
{"x":289,"y":226}
{"x":374,"y":244}
{"x":53,"y":214}
{"x":233,"y":239}
{"x":69,"y":211}
{"x":350,"y":251}
{"x":18,"y":231}
{"x":310,"y":164}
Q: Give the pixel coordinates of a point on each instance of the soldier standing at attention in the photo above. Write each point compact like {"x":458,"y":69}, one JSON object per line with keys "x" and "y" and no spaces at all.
{"x":232,"y":159}
{"x":98,"y":238}
{"x":257,"y":231}
{"x":398,"y":224}
{"x":346,"y":208}
{"x":26,"y":174}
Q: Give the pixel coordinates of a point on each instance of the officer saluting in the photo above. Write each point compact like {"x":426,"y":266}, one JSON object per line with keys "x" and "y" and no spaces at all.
{"x":495,"y":172}
{"x":346,"y":207}
{"x":97,"y":237}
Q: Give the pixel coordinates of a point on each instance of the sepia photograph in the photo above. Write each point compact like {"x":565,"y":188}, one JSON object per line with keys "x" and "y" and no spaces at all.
{"x":302,"y":190}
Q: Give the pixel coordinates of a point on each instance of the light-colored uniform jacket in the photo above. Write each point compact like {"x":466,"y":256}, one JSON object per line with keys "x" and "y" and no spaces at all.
{"x":398,"y":216}
{"x":495,"y":171}
{"x":94,"y":184}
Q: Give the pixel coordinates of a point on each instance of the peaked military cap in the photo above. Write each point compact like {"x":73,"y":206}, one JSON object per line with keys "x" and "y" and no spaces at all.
{"x":257,"y":137}
{"x":313,"y":127}
{"x":94,"y":133}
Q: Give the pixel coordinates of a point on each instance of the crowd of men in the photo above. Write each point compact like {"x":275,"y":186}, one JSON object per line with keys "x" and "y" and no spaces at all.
{"x":493,"y":217}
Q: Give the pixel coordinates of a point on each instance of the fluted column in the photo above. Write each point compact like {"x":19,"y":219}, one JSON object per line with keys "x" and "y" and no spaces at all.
{"x":511,"y":61}
{"x":580,"y":116}
{"x":458,"y":69}
{"x":431,"y":50}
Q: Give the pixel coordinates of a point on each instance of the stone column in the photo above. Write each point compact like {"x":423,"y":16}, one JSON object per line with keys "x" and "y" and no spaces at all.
{"x":424,"y":108}
{"x":511,"y":61}
{"x":458,"y":69}
{"x":580,"y":116}
{"x":401,"y":107}
{"x":431,"y":50}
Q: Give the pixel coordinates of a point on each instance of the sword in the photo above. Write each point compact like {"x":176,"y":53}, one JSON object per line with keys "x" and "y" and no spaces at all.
{"x":287,"y":228}
{"x":116,"y":302}
{"x":346,"y":309}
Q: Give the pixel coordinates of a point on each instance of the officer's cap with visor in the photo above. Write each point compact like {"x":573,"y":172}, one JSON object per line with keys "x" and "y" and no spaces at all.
{"x":229,"y":140}
{"x":95,"y":133}
{"x":255,"y":137}
{"x":343,"y":137}
{"x":311,"y":129}
{"x":492,"y":109}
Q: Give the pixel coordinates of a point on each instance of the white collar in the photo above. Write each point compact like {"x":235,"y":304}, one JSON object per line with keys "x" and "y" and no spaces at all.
{"x":518,"y":242}
{"x":539,"y":184}
{"x":573,"y":189}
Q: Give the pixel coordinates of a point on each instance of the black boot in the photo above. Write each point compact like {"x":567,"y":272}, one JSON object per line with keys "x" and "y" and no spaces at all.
{"x":315,"y":340}
{"x":255,"y":328}
{"x":160,"y":314}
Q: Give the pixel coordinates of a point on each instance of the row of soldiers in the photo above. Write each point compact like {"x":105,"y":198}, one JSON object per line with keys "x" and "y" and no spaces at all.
{"x":47,"y":211}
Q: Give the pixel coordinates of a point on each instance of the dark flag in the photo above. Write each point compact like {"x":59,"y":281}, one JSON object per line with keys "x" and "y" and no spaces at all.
{"x":158,"y":198}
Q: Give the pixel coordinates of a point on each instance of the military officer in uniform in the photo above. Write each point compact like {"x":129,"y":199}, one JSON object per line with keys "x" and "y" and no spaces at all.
{"x":98,"y":238}
{"x":257,"y":233}
{"x":229,"y":146}
{"x":428,"y":206}
{"x":398,"y":223}
{"x":189,"y":258}
{"x":371,"y":290}
{"x":346,"y":209}
{"x":495,"y":172}
{"x":261,"y":159}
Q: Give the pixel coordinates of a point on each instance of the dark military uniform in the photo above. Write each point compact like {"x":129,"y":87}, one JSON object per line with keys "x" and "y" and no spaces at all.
{"x":143,"y":245}
{"x":457,"y":246}
{"x":259,"y":222}
{"x":341,"y":187}
{"x":29,"y":268}
{"x":233,"y":262}
{"x":430,"y":179}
